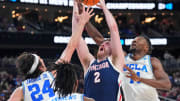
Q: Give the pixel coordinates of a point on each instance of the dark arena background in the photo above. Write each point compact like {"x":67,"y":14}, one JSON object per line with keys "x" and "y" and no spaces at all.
{"x":44,"y":27}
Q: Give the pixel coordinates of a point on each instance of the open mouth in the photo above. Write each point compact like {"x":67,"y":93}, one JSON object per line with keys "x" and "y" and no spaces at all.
{"x":133,"y":44}
{"x":101,"y":49}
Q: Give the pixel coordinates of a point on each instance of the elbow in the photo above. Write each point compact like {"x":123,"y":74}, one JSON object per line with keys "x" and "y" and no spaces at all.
{"x":167,"y":86}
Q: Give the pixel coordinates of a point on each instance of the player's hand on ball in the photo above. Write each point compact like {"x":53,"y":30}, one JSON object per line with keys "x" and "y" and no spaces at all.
{"x":132,"y":74}
{"x":85,"y":15}
{"x":101,"y":4}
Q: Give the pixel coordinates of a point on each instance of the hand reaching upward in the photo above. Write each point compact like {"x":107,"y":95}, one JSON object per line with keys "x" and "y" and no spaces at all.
{"x":101,"y":4}
{"x":83,"y":18}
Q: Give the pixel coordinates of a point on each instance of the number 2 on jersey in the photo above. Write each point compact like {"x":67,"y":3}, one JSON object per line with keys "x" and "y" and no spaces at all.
{"x":97,"y":77}
{"x":36,"y":95}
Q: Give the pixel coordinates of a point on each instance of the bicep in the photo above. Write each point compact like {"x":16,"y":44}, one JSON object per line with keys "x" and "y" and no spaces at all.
{"x":84,"y":55}
{"x":117,"y":51}
{"x":17,"y":95}
{"x":158,"y":70}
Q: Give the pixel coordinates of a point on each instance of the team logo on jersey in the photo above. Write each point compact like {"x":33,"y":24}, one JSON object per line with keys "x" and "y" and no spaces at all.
{"x":96,"y":67}
{"x":137,"y":67}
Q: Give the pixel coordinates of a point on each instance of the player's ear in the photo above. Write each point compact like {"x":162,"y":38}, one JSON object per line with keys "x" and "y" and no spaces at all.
{"x":42,"y":68}
{"x":147,"y":48}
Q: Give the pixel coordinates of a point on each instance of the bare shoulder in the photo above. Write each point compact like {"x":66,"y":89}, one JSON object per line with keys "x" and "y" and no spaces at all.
{"x":88,"y":99}
{"x":156,"y":64}
{"x":17,"y":95}
{"x":155,"y":61}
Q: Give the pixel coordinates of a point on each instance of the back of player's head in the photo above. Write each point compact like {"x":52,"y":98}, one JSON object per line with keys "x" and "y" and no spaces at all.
{"x":148,"y":43}
{"x":27,"y":64}
{"x":66,"y":79}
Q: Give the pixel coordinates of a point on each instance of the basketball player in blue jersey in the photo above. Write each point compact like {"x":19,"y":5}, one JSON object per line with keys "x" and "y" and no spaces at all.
{"x":102,"y":74}
{"x":66,"y":83}
{"x":147,"y":72}
{"x":36,"y":87}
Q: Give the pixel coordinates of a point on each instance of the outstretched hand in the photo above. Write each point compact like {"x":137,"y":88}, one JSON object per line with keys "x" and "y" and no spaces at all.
{"x":101,"y":4}
{"x":82,"y":18}
{"x":132,"y":74}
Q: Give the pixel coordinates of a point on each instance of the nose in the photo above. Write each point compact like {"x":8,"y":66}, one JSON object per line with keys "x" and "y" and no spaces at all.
{"x":134,"y":41}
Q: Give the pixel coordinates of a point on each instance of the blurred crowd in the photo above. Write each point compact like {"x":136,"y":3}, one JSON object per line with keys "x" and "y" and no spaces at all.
{"x":151,"y":25}
{"x":9,"y":78}
{"x":8,"y":83}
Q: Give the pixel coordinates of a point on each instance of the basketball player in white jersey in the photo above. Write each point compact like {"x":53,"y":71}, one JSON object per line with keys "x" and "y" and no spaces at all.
{"x":147,"y":73}
{"x":37,"y":84}
{"x":66,"y":83}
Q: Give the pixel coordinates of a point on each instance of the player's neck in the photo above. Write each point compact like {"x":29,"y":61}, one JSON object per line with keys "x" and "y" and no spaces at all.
{"x":137,"y":56}
{"x":100,"y":58}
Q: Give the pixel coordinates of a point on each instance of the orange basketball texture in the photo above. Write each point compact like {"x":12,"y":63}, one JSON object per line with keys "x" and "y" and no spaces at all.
{"x":90,"y":2}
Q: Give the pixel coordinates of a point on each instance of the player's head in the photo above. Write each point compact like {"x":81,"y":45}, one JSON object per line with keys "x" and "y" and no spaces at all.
{"x":30,"y":65}
{"x":66,"y":81}
{"x":104,"y":49}
{"x":141,"y":44}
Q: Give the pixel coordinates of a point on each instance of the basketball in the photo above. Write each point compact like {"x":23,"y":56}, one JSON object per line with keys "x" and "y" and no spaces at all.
{"x":90,"y":2}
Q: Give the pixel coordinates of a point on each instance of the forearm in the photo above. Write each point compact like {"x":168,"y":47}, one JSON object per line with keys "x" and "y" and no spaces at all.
{"x":94,"y":33}
{"x":117,"y":50}
{"x":159,"y":84}
{"x":110,"y":20}
{"x":73,"y":43}
{"x":76,"y":35}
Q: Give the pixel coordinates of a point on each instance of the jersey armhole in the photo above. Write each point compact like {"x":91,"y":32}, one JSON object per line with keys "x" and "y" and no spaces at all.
{"x":89,"y":66}
{"x":51,"y":75}
{"x":149,"y":58}
{"x":113,"y":66}
{"x":23,"y":87}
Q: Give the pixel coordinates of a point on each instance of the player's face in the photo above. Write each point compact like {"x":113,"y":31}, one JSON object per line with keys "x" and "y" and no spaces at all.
{"x":104,"y":49}
{"x":138,"y":44}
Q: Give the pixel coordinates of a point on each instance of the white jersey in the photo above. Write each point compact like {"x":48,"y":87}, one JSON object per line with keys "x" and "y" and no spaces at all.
{"x":38,"y":89}
{"x":138,"y":91}
{"x":72,"y":97}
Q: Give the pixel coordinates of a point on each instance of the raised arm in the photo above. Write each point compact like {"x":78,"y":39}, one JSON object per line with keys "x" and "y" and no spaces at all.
{"x":91,"y":30}
{"x":94,"y":33}
{"x":117,"y":51}
{"x":78,"y":23}
{"x":84,"y":55}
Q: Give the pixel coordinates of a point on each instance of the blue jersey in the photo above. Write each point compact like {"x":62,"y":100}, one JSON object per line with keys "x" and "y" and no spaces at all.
{"x":101,"y":81}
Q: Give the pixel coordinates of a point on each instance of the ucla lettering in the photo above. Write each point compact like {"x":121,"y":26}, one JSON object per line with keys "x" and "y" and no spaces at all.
{"x":137,"y":67}
{"x":33,"y":80}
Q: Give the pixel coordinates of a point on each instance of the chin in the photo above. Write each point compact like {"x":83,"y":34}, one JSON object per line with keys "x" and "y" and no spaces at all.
{"x":132,"y":50}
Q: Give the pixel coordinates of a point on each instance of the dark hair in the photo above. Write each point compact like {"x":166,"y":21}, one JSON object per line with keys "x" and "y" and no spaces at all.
{"x":24,"y":63}
{"x":65,"y":79}
{"x":148,"y":42}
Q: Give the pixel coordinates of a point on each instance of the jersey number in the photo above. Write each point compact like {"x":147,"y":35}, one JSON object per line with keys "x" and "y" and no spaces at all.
{"x":97,"y":79}
{"x":132,"y":81}
{"x":35,"y":93}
